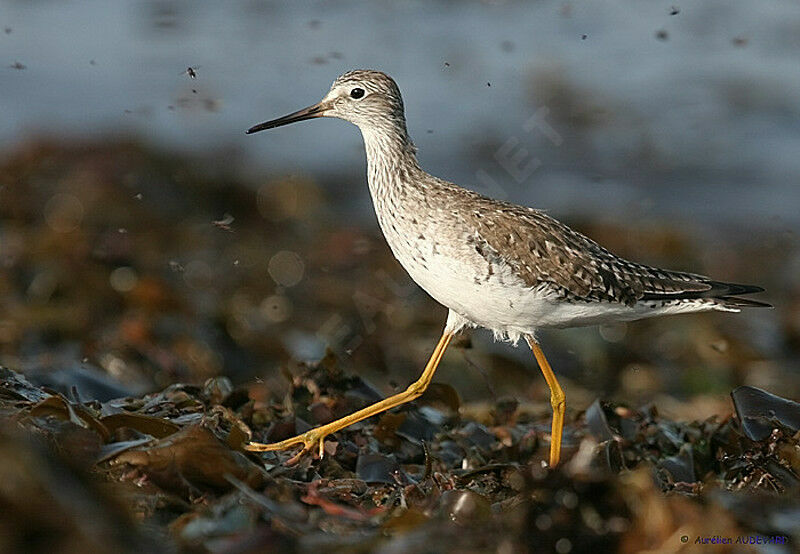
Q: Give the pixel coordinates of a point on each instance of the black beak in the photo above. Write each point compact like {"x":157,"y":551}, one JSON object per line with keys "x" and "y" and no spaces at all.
{"x":317,"y":110}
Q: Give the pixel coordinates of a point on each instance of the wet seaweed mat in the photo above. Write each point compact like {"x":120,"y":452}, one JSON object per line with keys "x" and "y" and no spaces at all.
{"x":169,"y":469}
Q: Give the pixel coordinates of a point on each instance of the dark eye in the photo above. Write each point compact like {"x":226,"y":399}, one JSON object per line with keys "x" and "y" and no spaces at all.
{"x":357,"y":93}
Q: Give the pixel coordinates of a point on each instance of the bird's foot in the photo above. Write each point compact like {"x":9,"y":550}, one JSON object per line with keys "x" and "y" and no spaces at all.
{"x":309,"y":440}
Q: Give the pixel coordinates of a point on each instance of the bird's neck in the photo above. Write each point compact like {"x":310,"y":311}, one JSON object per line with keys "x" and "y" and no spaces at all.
{"x":391,"y":158}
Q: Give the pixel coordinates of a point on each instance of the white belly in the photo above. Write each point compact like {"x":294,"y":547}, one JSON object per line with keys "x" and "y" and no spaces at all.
{"x":486,"y":295}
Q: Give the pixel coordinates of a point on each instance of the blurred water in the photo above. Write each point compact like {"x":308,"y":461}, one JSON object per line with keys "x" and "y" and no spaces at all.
{"x":693,"y":116}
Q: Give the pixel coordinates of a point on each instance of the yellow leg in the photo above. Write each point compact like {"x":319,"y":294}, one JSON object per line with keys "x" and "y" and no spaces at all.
{"x":317,"y":435}
{"x":557,"y":400}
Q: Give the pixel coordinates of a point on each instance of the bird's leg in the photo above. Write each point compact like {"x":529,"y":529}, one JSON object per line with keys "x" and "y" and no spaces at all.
{"x":557,"y":400}
{"x":316,"y":436}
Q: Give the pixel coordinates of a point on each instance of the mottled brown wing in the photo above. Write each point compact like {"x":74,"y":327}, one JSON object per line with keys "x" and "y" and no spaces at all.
{"x":543,"y":250}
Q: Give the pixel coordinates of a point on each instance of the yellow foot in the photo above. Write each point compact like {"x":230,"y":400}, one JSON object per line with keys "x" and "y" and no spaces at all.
{"x":309,"y":440}
{"x":314,"y":437}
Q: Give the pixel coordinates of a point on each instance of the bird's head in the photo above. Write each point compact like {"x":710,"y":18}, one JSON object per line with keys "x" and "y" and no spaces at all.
{"x":366,"y":98}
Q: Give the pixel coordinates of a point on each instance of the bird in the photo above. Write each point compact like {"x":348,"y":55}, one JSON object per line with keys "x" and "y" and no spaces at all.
{"x":511,"y":269}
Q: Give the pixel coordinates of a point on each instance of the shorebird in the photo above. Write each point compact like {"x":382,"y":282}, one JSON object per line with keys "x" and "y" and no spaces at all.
{"x":507,"y":268}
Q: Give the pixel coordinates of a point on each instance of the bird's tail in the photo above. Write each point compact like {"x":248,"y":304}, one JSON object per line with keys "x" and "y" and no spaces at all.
{"x":724,"y":295}
{"x":730,"y":295}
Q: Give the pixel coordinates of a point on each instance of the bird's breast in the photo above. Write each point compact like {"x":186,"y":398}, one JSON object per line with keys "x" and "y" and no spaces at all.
{"x":438,"y":250}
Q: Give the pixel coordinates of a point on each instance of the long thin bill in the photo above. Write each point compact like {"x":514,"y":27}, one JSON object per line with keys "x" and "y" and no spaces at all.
{"x":306,"y":113}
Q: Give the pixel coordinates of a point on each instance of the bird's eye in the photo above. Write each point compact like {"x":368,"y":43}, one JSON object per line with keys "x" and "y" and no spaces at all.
{"x":357,"y":93}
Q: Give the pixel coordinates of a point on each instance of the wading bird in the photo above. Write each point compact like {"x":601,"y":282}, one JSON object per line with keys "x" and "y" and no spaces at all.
{"x":507,"y":268}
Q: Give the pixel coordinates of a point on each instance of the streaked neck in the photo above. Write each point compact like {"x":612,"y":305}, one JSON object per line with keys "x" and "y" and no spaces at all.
{"x":391,"y":156}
